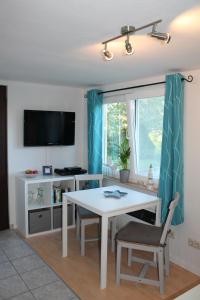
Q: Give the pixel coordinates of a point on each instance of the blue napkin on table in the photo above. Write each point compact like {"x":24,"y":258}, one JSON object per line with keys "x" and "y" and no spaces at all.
{"x":114,"y":194}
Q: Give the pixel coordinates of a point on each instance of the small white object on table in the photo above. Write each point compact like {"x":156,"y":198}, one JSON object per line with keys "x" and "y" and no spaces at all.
{"x":95,"y":201}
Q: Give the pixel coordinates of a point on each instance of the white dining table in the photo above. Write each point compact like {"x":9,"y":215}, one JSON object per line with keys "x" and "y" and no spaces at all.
{"x":95,"y":201}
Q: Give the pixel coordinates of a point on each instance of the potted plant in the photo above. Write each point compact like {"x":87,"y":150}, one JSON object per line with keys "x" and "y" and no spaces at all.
{"x":124,"y":155}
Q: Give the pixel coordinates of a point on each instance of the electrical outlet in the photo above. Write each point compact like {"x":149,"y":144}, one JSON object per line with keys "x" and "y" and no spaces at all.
{"x":193,"y":243}
{"x":196,"y":244}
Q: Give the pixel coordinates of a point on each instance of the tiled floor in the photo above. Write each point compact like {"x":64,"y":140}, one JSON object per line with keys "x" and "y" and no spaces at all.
{"x":25,"y":276}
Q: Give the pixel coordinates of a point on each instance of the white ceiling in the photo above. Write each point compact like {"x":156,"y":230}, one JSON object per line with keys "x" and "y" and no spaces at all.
{"x":59,"y":41}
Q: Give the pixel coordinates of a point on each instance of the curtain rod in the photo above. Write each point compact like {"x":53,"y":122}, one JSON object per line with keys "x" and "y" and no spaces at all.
{"x":188,"y":79}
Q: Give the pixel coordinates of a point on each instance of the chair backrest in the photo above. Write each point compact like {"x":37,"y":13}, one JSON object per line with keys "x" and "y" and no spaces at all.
{"x":88,"y":177}
{"x":172,"y":207}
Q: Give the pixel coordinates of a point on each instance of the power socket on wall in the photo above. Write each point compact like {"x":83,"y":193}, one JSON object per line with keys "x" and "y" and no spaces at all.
{"x":193,"y":243}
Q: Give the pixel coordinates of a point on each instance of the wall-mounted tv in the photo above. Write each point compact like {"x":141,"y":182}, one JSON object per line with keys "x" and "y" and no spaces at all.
{"x":49,"y":128}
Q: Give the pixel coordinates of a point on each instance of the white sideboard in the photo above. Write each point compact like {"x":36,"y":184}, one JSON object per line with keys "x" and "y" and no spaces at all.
{"x":39,"y":205}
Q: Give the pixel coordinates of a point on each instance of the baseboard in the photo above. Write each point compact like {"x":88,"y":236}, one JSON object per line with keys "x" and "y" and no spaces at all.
{"x":183,"y":264}
{"x":12,"y":226}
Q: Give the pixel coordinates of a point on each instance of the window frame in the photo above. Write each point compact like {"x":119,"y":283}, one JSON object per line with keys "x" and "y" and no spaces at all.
{"x":129,"y":99}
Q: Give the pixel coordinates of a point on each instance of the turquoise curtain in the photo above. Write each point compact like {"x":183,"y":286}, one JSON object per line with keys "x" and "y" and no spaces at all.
{"x":171,"y":171}
{"x":95,"y":123}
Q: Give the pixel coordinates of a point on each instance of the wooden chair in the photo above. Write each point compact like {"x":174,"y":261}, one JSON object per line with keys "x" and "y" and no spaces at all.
{"x":148,"y":238}
{"x":85,"y":217}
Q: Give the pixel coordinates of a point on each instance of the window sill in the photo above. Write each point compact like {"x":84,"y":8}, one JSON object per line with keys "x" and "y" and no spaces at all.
{"x":141,"y":187}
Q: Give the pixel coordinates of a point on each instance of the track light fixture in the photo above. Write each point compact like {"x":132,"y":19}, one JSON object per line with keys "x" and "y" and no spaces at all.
{"x":128,"y":46}
{"x":160,"y":35}
{"x":128,"y":30}
{"x":107,"y":54}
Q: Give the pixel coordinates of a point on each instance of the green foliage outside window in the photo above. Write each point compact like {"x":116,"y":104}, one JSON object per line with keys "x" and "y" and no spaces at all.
{"x":116,"y":131}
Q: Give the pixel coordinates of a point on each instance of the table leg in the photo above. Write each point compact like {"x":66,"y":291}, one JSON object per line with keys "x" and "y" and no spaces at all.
{"x":104,"y":250}
{"x":64,"y":226}
{"x":113,"y":232}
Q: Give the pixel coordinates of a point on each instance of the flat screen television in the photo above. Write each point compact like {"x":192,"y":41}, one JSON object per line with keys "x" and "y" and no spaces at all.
{"x":49,"y":128}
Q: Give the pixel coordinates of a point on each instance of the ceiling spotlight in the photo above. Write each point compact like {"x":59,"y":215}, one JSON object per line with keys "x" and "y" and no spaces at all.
{"x":127,"y":31}
{"x":128,"y":46}
{"x":107,"y":54}
{"x":160,"y":35}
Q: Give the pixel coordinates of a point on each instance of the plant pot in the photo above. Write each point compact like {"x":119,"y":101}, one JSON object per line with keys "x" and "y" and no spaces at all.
{"x":124,"y":175}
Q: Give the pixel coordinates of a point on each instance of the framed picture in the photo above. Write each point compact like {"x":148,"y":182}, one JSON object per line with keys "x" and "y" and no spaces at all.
{"x":47,"y":170}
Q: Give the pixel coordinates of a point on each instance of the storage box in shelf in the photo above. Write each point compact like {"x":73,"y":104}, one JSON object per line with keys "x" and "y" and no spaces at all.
{"x":39,"y":220}
{"x":57,"y":216}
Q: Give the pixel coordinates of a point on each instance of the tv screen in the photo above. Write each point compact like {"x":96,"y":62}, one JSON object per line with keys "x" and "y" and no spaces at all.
{"x":48,"y":128}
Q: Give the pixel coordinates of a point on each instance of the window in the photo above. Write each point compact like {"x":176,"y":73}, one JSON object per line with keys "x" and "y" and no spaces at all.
{"x":115,"y":128}
{"x":147,"y":119}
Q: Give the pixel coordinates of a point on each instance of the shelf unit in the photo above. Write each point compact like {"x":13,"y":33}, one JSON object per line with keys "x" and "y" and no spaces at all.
{"x":36,"y":209}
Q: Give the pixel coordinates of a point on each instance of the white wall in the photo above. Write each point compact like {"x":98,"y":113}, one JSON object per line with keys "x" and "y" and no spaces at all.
{"x":45,"y":97}
{"x":32,"y":96}
{"x":181,"y":253}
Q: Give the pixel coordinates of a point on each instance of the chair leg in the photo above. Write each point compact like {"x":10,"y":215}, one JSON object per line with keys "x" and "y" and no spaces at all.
{"x":155,"y":257}
{"x":77,"y":226}
{"x":129,"y":257}
{"x":161,"y":269}
{"x":166,"y":254}
{"x":82,"y":238}
{"x":118,"y":263}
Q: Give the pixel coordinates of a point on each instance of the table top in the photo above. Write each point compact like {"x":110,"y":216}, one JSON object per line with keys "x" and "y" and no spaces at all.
{"x":94,"y":200}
